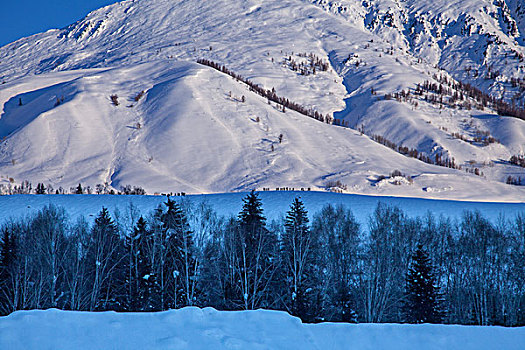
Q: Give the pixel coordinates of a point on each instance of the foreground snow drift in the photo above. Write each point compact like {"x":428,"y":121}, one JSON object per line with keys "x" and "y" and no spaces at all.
{"x":193,"y":328}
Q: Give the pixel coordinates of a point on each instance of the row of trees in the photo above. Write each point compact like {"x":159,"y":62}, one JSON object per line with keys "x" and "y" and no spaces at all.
{"x":398,"y":269}
{"x":271,"y":95}
{"x":26,"y":187}
{"x":438,"y":159}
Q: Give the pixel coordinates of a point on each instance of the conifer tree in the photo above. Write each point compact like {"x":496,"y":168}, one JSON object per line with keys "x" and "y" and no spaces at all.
{"x":251,"y":216}
{"x":141,"y":284}
{"x":422,"y":297}
{"x":157,"y":256}
{"x":182,"y":266}
{"x":79,"y":189}
{"x":255,"y":253}
{"x":297,"y":256}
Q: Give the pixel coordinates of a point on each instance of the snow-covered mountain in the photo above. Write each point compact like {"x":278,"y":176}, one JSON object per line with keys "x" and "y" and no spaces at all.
{"x":191,"y":131}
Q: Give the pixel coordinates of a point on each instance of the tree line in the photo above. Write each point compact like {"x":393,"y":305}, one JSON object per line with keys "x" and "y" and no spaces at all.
{"x":271,"y":95}
{"x":327,"y":268}
{"x":26,"y":187}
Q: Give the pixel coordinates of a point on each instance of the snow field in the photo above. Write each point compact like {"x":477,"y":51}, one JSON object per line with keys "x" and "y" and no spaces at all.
{"x":275,"y":204}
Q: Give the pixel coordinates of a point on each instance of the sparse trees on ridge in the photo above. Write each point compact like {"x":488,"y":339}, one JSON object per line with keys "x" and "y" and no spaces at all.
{"x":269,"y":94}
{"x":26,"y":187}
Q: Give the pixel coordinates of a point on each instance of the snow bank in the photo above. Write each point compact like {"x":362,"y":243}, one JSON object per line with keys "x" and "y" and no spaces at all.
{"x":194,"y":328}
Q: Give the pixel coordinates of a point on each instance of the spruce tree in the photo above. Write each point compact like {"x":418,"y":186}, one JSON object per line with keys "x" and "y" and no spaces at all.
{"x":251,"y":217}
{"x":422,"y":297}
{"x":182,"y":264}
{"x":256,"y":253}
{"x":297,"y":256}
{"x":140,"y":278}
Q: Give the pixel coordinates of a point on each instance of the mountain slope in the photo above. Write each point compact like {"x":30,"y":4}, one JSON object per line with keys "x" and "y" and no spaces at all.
{"x":189,"y":134}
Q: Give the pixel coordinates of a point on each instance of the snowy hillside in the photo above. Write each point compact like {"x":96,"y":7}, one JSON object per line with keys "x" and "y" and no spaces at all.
{"x":275,"y":204}
{"x":193,"y":328}
{"x":190,"y":131}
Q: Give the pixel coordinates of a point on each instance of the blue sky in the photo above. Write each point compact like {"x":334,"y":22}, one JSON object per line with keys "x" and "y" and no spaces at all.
{"x":20,"y":18}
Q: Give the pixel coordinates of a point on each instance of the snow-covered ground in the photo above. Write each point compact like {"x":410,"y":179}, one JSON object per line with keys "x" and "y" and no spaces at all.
{"x":188,"y":133}
{"x":275,"y":204}
{"x":193,"y":328}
